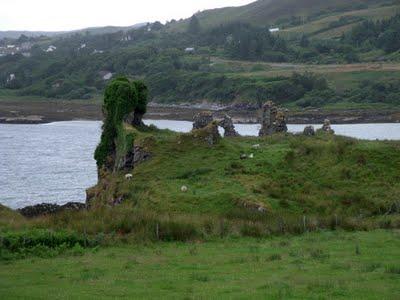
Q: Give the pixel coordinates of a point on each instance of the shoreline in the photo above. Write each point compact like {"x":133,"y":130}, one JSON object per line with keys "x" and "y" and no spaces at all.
{"x":42,"y":112}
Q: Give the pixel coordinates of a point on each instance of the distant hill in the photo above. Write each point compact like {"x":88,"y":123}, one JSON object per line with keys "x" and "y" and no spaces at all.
{"x":269,"y":12}
{"x":92,"y":30}
{"x":14,"y":34}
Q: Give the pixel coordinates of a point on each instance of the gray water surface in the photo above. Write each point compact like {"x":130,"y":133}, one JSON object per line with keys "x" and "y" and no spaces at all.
{"x":47,"y":163}
{"x":54,"y":162}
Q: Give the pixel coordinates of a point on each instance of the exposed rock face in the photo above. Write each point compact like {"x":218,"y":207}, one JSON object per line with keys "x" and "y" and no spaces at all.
{"x":309,"y":131}
{"x":47,"y":209}
{"x":140,"y":155}
{"x":135,"y":156}
{"x":202,"y":119}
{"x":273,"y":120}
{"x":327,"y":127}
{"x":227,"y":124}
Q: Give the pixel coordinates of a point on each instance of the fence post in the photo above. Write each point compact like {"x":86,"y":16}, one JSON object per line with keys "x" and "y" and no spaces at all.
{"x":157,"y":232}
{"x":304,"y":223}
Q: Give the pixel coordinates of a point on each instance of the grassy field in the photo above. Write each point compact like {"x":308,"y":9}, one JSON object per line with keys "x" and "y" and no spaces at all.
{"x":321,"y":26}
{"x":317,"y":265}
{"x":249,"y":68}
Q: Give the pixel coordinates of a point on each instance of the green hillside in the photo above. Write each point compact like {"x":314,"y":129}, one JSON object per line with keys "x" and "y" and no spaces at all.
{"x":333,"y":26}
{"x":270,"y":12}
{"x":234,"y":58}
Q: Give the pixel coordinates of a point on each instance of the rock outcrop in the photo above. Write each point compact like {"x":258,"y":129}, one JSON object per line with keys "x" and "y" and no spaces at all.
{"x":48,"y":209}
{"x":227,"y":124}
{"x":273,"y":120}
{"x":134,"y":156}
{"x":309,"y":131}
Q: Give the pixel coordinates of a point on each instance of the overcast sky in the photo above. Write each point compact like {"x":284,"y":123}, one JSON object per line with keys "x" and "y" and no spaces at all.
{"x":55,"y":15}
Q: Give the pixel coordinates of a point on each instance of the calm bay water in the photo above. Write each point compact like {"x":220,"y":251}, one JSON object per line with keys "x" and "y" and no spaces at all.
{"x":54,"y":162}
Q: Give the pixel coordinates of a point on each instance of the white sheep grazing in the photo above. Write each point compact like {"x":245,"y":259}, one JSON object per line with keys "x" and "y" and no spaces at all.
{"x":128,"y":176}
{"x":256,"y":146}
{"x":251,"y":155}
{"x":184,"y":189}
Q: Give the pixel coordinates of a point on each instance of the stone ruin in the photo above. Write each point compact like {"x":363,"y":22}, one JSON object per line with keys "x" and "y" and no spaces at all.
{"x":327,"y":127}
{"x":273,"y":120}
{"x":227,"y":124}
{"x":204,"y":119}
{"x":309,"y":131}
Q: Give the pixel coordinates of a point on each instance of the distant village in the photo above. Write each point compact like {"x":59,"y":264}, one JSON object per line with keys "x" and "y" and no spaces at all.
{"x":26,"y":45}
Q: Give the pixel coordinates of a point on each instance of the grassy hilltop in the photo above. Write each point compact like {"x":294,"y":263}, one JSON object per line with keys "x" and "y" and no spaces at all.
{"x":270,"y":12}
{"x":288,"y":174}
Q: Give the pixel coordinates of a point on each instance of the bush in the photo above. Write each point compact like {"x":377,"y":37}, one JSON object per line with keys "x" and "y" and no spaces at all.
{"x":41,"y":243}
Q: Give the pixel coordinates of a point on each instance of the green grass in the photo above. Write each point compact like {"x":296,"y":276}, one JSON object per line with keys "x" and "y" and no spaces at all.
{"x":312,"y":266}
{"x":11,"y":95}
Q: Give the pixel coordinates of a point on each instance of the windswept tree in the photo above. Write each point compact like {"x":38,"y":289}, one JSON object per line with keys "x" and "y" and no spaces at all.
{"x":120,"y":99}
{"x":141,"y":106}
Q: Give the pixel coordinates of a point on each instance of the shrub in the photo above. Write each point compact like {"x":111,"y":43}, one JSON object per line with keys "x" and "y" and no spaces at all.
{"x":41,"y":243}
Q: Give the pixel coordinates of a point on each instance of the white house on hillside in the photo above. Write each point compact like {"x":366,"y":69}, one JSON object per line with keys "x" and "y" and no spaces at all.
{"x":276,"y":29}
{"x":189,"y":50}
{"x":51,"y":48}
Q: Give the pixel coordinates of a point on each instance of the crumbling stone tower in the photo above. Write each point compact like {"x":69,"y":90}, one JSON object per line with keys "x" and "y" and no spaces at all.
{"x":273,"y":120}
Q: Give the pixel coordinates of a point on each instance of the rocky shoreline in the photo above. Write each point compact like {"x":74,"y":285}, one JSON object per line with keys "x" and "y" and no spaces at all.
{"x":49,"y":208}
{"x":39,"y":112}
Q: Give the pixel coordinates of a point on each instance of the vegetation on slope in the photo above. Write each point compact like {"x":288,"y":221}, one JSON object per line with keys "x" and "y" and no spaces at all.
{"x":324,"y":175}
{"x":156,"y":54}
{"x":281,"y":12}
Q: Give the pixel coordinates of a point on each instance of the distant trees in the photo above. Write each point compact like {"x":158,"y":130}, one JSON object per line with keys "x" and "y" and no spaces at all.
{"x":384,"y":34}
{"x":304,"y":41}
{"x":244,"y":41}
{"x":194,"y":25}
